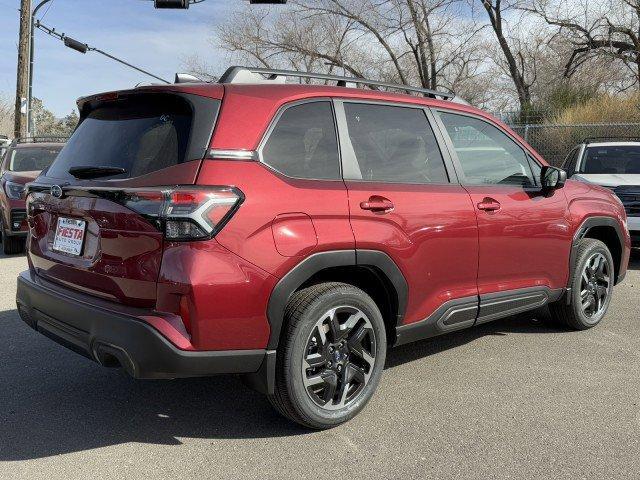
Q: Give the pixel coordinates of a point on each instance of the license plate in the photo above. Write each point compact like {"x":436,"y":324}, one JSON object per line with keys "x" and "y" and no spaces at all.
{"x":69,"y":236}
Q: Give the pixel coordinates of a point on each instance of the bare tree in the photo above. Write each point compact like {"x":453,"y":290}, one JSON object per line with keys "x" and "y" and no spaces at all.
{"x":403,"y":41}
{"x":609,"y":28}
{"x":6,"y":116}
{"x":518,"y":55}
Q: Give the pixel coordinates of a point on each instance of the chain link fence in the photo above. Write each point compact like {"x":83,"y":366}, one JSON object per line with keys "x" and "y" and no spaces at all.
{"x":554,"y":142}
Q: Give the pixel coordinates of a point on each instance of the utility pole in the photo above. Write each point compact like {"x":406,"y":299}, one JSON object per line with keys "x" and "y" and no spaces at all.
{"x":22,"y":84}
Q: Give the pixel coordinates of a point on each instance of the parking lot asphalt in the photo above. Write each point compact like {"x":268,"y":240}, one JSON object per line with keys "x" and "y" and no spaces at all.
{"x":518,"y":398}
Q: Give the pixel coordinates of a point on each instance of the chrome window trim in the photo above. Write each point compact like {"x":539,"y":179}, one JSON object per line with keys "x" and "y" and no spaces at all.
{"x":242,"y":155}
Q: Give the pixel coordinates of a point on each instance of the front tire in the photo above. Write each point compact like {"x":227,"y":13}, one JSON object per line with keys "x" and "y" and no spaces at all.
{"x":331,"y":355}
{"x":591,"y":287}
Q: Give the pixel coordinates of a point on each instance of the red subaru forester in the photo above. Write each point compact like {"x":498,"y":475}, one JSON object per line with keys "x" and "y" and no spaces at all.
{"x":292,"y":233}
{"x":23,"y":161}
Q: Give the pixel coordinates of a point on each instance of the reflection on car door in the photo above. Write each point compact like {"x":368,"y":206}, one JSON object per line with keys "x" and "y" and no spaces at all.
{"x":405,"y":199}
{"x":524,"y":233}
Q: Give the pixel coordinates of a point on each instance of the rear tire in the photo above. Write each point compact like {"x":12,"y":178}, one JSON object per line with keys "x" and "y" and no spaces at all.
{"x":331,"y":355}
{"x":591,"y":287}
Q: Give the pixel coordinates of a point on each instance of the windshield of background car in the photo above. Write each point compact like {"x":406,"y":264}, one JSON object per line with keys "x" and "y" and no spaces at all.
{"x":32,"y":159}
{"x":611,"y":160}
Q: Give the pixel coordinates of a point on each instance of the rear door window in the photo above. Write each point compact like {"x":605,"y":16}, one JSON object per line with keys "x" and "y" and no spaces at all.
{"x":394,"y":144}
{"x":140,"y":134}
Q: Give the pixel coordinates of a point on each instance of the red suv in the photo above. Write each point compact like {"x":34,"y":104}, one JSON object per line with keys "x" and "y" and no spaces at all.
{"x":22,"y":163}
{"x":292,"y":233}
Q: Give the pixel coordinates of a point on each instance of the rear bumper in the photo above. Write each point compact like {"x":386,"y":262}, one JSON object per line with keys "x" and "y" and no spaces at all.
{"x":115,"y":337}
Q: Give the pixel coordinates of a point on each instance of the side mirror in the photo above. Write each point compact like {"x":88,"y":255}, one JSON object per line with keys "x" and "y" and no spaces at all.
{"x":552,"y":178}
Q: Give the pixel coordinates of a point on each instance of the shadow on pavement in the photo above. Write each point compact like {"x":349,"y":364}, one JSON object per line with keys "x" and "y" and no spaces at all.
{"x":53,"y":401}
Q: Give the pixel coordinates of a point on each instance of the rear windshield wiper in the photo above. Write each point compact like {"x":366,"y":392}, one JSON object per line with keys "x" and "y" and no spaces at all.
{"x":85,"y":172}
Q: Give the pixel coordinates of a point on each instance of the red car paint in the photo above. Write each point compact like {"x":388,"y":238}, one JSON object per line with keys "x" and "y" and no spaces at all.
{"x":214,"y":294}
{"x":9,"y":206}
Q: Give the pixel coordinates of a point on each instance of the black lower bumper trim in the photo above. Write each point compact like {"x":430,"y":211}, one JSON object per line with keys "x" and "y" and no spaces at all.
{"x":114,"y":338}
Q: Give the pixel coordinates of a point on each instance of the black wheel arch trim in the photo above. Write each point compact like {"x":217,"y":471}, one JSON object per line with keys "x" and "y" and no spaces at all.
{"x":582,"y":231}
{"x":318,"y":262}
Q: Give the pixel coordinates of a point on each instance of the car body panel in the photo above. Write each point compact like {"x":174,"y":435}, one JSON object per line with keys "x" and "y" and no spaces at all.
{"x":220,"y":288}
{"x":249,"y":233}
{"x":431,"y":234}
{"x":522,"y":242}
{"x":588,"y":200}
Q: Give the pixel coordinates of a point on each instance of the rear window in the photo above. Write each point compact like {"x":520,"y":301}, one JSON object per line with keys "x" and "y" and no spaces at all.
{"x":140,"y":134}
{"x":32,"y":159}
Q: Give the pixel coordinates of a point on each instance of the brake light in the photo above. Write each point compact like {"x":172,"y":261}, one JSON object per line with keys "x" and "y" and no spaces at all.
{"x":185,"y":213}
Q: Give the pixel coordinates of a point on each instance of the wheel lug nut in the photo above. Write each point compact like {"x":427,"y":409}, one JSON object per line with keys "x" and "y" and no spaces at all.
{"x":339,"y":368}
{"x":329,"y":364}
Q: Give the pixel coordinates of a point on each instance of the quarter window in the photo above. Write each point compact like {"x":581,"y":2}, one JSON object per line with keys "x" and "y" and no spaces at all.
{"x":487,"y":155}
{"x":304,"y":144}
{"x":394,"y":144}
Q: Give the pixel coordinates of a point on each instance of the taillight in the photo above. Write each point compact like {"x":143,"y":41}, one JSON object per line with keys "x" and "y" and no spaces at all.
{"x":185,"y":213}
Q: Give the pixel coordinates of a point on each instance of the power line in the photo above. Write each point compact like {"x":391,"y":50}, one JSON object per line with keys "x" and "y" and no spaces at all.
{"x":84,"y":48}
{"x":47,"y":10}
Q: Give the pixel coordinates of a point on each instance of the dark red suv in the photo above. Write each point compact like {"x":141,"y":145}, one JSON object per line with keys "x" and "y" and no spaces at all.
{"x":23,"y":161}
{"x":292,"y":233}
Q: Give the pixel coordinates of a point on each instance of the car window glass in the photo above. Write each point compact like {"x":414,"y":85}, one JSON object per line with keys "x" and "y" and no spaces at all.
{"x":536,"y":169}
{"x":487,"y":155}
{"x":32,"y":159}
{"x":612,"y":159}
{"x":394,"y":144}
{"x":304,"y":144}
{"x":140,"y":134}
{"x":570,"y":162}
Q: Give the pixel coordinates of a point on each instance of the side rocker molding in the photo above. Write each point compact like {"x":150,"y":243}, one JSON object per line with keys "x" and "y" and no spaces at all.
{"x":466,"y":312}
{"x":584,"y":228}
{"x":456,"y":314}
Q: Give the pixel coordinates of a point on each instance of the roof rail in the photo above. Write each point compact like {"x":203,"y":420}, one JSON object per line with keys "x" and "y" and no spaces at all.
{"x":43,"y":139}
{"x":611,"y":139}
{"x":239,"y":74}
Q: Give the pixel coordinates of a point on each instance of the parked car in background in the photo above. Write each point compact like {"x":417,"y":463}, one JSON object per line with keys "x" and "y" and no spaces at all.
{"x":4,"y":144}
{"x":615,"y":164}
{"x":22,"y":163}
{"x":314,"y":227}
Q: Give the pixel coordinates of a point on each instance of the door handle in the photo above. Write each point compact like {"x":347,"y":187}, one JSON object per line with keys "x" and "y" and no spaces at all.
{"x":377,"y":204}
{"x":489,"y":205}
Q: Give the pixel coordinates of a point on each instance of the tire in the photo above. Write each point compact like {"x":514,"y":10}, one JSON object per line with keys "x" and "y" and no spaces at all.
{"x":12,"y":245}
{"x":590,"y":282}
{"x":312,"y":367}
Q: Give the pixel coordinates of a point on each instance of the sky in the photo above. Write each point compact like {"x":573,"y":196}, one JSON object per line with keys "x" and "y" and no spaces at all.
{"x":157,"y":40}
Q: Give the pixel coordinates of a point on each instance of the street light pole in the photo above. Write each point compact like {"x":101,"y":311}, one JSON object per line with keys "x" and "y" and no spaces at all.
{"x":31,"y":51}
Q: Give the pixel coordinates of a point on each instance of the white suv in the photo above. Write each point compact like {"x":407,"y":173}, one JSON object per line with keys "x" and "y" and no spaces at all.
{"x":615,"y":164}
